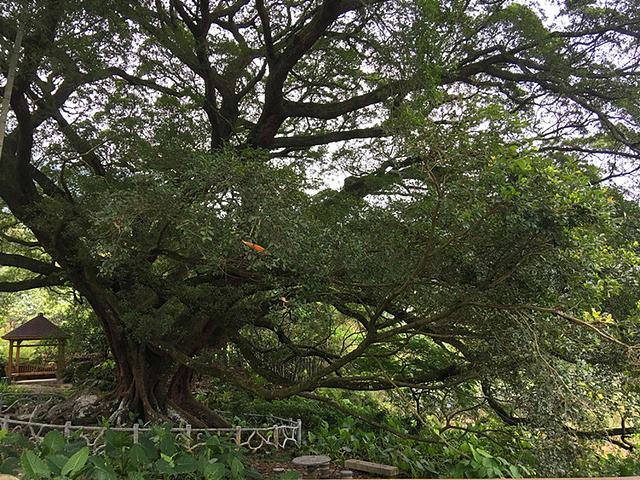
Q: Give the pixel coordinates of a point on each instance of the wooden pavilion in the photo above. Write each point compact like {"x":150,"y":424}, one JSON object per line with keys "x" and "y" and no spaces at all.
{"x":37,"y":332}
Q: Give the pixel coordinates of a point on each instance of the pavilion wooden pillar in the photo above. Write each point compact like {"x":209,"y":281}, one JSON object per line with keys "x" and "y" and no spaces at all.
{"x":61,"y":359}
{"x":10,"y":364}
{"x":18,"y":343}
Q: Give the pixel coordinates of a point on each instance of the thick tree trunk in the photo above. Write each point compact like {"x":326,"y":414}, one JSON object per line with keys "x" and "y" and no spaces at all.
{"x":156,"y":388}
{"x":152,"y":385}
{"x":181,"y":400}
{"x":148,"y":397}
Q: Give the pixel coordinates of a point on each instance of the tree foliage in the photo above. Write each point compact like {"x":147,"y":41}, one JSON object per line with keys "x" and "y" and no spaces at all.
{"x":470,"y":257}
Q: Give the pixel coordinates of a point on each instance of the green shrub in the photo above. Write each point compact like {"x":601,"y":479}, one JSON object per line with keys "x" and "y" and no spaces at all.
{"x":12,"y":388}
{"x":611,"y":463}
{"x":158,"y":454}
{"x":471,"y":455}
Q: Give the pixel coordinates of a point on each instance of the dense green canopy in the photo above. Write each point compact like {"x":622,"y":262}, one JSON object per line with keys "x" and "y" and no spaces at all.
{"x":426,"y":181}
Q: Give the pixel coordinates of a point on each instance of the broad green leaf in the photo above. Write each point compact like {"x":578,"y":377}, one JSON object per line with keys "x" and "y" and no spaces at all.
{"x":213,"y":443}
{"x":53,"y":442}
{"x":137,"y":455}
{"x":100,"y":471}
{"x":476,"y":455}
{"x":185,"y":464}
{"x":33,"y":465}
{"x":122,"y":439}
{"x":237,"y":467}
{"x":167,"y":458}
{"x":150,"y":450}
{"x":484,"y":453}
{"x":10,"y":466}
{"x":215,"y":471}
{"x":515,"y":471}
{"x":16,"y":440}
{"x":56,"y":462}
{"x":162,"y":466}
{"x":290,"y":475}
{"x":77,"y":462}
{"x":167,"y":445}
{"x":103,"y":473}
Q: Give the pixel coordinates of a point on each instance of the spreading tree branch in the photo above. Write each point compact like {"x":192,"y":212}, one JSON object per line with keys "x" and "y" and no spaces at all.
{"x":30,"y":284}
{"x":33,"y":265}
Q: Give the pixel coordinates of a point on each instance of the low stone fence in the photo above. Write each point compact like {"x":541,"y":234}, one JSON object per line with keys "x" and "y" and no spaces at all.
{"x":279,"y":434}
{"x":283,"y":432}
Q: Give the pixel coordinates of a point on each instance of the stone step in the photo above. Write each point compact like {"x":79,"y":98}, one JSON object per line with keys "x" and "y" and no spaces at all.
{"x":377,"y":468}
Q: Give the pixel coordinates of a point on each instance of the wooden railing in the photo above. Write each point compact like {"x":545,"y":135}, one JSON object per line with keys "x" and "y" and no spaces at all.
{"x":27,"y":370}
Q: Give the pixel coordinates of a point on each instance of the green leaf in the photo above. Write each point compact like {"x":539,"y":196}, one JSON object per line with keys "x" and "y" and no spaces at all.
{"x":162,"y":466}
{"x":167,"y":446}
{"x":185,"y":464}
{"x":33,"y":466}
{"x":237,"y":468}
{"x":167,"y":459}
{"x":290,"y":475}
{"x":138,"y":455}
{"x":56,"y":462}
{"x":484,"y":453}
{"x":135,"y":476}
{"x":215,"y":470}
{"x":213,"y":443}
{"x":10,"y":466}
{"x":122,"y":439}
{"x":76,"y":462}
{"x":52,"y":442}
{"x":15,"y":440}
{"x":515,"y":471}
{"x":101,"y":471}
{"x":476,"y":456}
{"x":150,"y":450}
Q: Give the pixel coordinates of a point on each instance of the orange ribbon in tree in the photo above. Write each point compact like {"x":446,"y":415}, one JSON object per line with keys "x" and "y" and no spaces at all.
{"x":255,"y":246}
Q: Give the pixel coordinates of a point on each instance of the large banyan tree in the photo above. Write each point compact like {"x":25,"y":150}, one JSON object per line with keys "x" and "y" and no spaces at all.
{"x":405,"y":194}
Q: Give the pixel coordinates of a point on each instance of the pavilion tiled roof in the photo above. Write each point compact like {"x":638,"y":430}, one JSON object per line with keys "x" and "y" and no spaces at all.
{"x":36,"y":328}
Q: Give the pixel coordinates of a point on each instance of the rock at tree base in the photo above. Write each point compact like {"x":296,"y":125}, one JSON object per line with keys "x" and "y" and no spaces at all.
{"x":83,"y":408}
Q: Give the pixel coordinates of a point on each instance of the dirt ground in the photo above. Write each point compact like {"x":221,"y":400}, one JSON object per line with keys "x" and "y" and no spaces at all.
{"x":43,"y":386}
{"x":265,"y":462}
{"x":266,"y":469}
